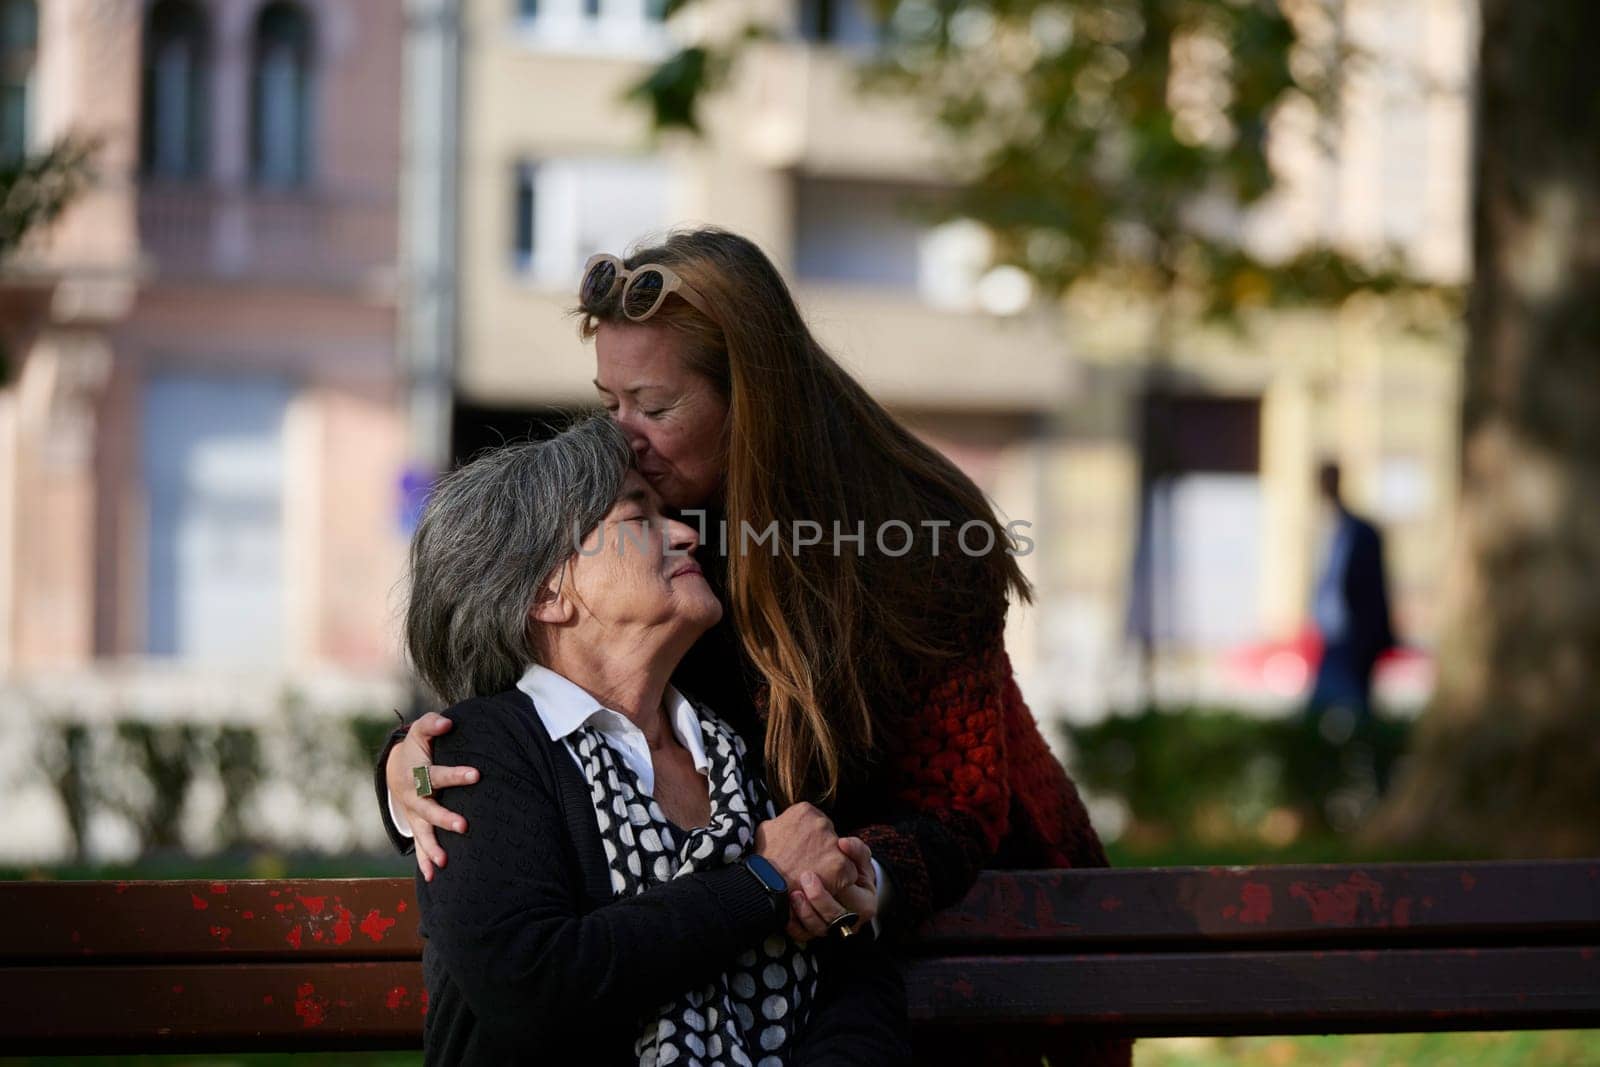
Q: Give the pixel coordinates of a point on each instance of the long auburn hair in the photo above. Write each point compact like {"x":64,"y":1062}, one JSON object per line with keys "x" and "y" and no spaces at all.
{"x":837,"y":635}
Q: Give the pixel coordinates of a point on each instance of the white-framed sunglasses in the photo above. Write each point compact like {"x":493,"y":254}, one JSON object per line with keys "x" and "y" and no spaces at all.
{"x":644,"y":288}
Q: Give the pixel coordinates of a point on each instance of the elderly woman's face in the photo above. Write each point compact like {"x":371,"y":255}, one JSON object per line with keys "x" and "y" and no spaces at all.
{"x":674,"y":418}
{"x":635,"y":569}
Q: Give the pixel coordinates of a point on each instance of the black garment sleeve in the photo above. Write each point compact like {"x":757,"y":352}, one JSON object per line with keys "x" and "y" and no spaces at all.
{"x":930,"y":860}
{"x":859,"y":1018}
{"x":401,"y":842}
{"x":508,"y":921}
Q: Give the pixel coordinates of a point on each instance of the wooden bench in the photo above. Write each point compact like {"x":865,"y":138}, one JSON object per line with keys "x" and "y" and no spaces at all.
{"x":334,"y":964}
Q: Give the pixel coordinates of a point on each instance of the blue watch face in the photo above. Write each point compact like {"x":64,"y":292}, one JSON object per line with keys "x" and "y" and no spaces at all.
{"x":767,"y":873}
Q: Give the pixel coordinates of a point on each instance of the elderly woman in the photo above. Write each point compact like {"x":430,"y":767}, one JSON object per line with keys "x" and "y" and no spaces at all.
{"x":864,"y":652}
{"x":622,"y":895}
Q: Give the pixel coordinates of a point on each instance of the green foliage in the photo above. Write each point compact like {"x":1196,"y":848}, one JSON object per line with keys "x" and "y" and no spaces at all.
{"x":1117,"y":141}
{"x":34,"y":191}
{"x":371,"y":734}
{"x":37,"y":189}
{"x":1205,"y":780}
{"x":1095,"y":128}
{"x":673,"y":90}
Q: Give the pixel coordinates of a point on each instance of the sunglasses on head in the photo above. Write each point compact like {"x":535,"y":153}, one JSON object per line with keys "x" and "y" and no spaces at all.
{"x":644,"y":288}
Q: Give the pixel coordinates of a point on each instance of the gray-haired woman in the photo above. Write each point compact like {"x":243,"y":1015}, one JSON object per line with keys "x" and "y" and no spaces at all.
{"x":622,"y":895}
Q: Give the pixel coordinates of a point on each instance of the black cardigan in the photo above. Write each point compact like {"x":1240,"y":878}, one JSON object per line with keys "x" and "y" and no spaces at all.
{"x":529,"y":958}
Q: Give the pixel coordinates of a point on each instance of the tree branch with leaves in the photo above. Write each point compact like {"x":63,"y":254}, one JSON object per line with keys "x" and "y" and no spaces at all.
{"x":1120,"y":142}
{"x":35,"y":190}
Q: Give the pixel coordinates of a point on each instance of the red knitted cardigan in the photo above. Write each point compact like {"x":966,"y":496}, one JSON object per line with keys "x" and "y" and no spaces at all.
{"x":967,"y":781}
{"x":968,"y":754}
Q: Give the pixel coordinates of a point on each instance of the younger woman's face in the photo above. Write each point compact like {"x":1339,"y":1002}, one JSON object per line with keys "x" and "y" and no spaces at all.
{"x":675,"y":419}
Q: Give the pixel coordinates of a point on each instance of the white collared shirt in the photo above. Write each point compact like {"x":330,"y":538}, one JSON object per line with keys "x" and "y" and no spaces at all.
{"x":565,"y":708}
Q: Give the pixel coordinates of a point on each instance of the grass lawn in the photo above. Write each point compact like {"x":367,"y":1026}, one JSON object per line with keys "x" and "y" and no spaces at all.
{"x":1528,"y":1048}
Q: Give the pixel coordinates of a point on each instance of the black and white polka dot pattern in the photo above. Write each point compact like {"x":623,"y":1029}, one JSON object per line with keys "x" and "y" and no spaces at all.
{"x":749,"y":1014}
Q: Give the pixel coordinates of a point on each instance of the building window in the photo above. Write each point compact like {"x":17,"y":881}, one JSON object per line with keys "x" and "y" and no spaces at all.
{"x":885,"y":235}
{"x":565,"y":210}
{"x":525,"y":235}
{"x":176,"y":72}
{"x":844,"y":23}
{"x":281,"y":94}
{"x":19,"y":45}
{"x":601,"y":25}
{"x":213,"y":452}
{"x":1200,"y":539}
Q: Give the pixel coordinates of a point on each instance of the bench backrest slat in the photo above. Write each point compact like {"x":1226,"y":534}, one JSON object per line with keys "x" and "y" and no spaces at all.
{"x":344,"y":919}
{"x":189,"y":1007}
{"x":322,"y":1004}
{"x":1375,"y":904}
{"x":1266,"y":992}
{"x":376,"y":918}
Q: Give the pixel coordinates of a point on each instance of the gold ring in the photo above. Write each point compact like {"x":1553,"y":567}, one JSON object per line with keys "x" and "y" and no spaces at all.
{"x":845,"y":923}
{"x":424,"y":781}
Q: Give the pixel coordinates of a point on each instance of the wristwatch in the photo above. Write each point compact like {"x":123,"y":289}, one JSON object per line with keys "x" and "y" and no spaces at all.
{"x":777,"y":889}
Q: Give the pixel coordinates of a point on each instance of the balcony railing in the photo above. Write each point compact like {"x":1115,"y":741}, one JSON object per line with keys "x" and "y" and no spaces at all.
{"x":317,"y":237}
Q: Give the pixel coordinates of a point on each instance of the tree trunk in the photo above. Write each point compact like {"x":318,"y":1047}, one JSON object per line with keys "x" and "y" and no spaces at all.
{"x":1507,"y":759}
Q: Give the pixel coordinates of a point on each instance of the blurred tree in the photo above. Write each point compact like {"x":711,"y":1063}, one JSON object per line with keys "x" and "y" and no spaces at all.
{"x":34,"y":191}
{"x":1110,"y":141}
{"x":237,"y":751}
{"x":64,"y":755}
{"x":166,"y":756}
{"x":1508,"y":755}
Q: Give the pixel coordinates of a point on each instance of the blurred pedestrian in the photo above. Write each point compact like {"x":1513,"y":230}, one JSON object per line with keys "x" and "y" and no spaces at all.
{"x":1350,"y":608}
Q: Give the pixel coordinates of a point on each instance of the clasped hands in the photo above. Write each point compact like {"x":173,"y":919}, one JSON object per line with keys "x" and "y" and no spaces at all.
{"x":828,"y":875}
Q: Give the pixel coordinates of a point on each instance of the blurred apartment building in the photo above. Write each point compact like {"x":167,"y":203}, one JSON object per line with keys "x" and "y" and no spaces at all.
{"x":203,"y":425}
{"x":1205,"y":454}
